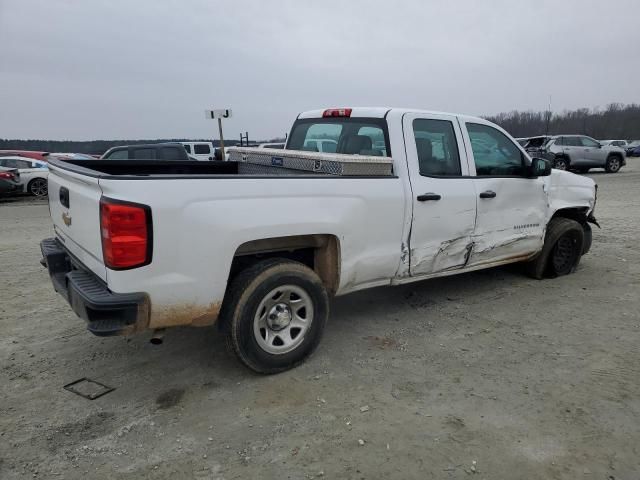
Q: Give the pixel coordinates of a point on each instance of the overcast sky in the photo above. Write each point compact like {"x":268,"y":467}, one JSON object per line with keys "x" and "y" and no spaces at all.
{"x":120,"y":69}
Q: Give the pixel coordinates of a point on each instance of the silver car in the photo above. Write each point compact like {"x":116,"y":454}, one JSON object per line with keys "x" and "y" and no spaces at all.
{"x":581,"y":153}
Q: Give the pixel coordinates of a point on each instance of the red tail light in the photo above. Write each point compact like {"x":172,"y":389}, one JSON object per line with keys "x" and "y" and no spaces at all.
{"x":337,"y":112}
{"x":7,"y":175}
{"x":126,"y":234}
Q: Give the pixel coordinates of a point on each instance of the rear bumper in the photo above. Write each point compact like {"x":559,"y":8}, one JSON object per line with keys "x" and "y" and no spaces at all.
{"x":106,"y":313}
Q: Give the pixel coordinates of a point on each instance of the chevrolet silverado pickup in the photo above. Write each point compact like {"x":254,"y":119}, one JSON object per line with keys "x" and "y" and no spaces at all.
{"x":261,"y":243}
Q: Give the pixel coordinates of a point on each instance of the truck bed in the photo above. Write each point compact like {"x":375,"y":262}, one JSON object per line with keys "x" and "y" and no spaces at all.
{"x":244,"y":161}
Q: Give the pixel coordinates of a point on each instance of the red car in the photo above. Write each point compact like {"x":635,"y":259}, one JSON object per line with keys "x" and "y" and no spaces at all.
{"x":26,"y":153}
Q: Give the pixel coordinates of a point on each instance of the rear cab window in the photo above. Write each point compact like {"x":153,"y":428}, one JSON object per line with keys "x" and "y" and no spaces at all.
{"x":354,"y":136}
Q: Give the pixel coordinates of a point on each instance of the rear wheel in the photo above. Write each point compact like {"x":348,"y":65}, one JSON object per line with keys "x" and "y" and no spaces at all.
{"x":274,"y":315}
{"x":561,"y":163}
{"x":563,"y":246}
{"x":613,"y":164}
{"x":38,"y":187}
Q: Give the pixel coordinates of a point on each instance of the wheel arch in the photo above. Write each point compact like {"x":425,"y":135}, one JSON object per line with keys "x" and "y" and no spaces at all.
{"x":320,"y":252}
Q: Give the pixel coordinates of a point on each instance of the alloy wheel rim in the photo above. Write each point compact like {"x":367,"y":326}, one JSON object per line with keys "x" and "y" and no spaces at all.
{"x":39,"y":188}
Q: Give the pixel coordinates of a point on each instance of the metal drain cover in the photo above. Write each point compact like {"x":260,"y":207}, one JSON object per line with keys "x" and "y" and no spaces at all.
{"x":87,"y":388}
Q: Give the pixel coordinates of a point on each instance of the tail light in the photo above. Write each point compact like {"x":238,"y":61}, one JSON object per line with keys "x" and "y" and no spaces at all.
{"x":7,"y":175}
{"x":127,"y":234}
{"x":337,"y":112}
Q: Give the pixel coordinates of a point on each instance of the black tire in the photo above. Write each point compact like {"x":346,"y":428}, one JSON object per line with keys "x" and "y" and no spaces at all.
{"x":561,"y":163}
{"x":38,"y":187}
{"x":562,"y":249}
{"x":614,"y":164}
{"x":588,"y":238}
{"x":249,"y":290}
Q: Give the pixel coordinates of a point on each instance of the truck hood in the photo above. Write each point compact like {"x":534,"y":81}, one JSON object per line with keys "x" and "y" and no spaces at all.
{"x":568,"y":190}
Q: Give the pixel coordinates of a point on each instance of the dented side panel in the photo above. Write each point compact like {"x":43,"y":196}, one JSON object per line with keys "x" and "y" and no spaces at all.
{"x":512,"y":224}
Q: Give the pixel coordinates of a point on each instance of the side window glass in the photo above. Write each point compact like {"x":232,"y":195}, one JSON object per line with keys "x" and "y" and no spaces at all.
{"x":187,"y":148}
{"x":493,"y":153}
{"x":144,"y":153}
{"x":171,"y":153}
{"x":118,"y":155}
{"x":572,"y":142}
{"x":588,"y":142}
{"x":201,"y":149}
{"x":437,"y":148}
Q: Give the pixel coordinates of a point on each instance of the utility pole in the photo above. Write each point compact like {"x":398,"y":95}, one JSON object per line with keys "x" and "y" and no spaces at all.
{"x":219,"y":115}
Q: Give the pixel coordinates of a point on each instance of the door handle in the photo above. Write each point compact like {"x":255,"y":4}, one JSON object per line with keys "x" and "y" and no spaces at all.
{"x":428,"y":196}
{"x":488,"y":194}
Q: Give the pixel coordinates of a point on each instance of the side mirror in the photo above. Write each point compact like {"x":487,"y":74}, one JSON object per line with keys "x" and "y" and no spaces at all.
{"x":540,"y":167}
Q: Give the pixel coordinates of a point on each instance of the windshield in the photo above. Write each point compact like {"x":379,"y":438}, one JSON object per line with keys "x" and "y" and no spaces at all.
{"x":355,"y":136}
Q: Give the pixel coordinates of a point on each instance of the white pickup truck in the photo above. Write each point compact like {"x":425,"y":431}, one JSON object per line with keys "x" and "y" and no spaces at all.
{"x":149,"y":245}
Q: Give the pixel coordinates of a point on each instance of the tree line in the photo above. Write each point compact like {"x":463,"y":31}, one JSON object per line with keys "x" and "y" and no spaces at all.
{"x":98,"y":147}
{"x":615,"y":121}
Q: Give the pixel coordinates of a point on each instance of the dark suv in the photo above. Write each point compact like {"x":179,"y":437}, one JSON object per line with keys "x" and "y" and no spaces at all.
{"x":153,"y":151}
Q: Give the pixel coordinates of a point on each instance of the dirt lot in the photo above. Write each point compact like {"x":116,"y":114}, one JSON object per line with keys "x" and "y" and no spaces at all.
{"x":491,"y":375}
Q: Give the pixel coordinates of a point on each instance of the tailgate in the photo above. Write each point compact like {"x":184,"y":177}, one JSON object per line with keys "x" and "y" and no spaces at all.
{"x":74,"y":202}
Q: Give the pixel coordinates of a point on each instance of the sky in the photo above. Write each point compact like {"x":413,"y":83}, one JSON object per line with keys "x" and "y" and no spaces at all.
{"x":121,"y":69}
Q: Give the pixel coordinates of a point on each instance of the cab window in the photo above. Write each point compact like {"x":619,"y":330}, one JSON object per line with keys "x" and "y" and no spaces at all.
{"x":437,"y":148}
{"x":353,"y":136}
{"x":494,"y":153}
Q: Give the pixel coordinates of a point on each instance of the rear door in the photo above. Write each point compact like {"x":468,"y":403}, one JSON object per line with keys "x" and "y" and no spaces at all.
{"x":444,"y":201}
{"x":74,"y":202}
{"x":512,"y":208}
{"x":576,"y":151}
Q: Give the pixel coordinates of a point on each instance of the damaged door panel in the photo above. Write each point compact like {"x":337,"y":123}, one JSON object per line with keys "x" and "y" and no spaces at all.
{"x":444,"y":203}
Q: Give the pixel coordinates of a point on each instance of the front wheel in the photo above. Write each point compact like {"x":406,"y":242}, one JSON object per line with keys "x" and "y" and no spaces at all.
{"x":562,"y":249}
{"x":613,"y":164}
{"x":274,"y":315}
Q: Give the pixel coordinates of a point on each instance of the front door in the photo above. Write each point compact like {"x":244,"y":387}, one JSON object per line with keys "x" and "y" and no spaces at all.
{"x":593,"y":153}
{"x":511,"y":207}
{"x":444,"y":200}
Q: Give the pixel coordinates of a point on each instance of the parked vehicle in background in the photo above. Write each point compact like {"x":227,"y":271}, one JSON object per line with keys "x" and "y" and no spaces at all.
{"x":633,"y":149}
{"x":276,"y":145}
{"x":533,"y":145}
{"x":33,"y":174}
{"x":71,"y":156}
{"x":263,"y":242}
{"x":154,"y":151}
{"x":200,"y":150}
{"x":616,"y":143}
{"x":25,"y":153}
{"x":581,"y":153}
{"x":9,"y":180}
{"x":322,"y":145}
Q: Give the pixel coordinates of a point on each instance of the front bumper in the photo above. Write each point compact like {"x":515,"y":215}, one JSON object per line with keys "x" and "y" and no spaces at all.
{"x":106,"y":313}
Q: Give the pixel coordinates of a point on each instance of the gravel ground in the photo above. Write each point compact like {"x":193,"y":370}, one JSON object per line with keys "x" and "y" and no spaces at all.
{"x":488,"y":374}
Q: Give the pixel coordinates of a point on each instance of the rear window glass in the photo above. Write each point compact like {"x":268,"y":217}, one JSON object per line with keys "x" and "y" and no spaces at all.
{"x":355,"y":136}
{"x":201,"y":149}
{"x":144,"y":153}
